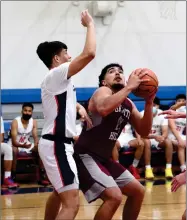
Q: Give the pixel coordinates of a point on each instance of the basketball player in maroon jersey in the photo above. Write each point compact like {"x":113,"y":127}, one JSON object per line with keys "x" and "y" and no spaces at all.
{"x":110,"y":110}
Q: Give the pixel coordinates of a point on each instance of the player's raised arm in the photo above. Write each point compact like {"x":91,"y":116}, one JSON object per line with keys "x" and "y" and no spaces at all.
{"x":89,"y":50}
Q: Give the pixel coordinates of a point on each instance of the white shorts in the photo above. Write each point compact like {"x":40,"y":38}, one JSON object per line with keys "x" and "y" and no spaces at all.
{"x":124,"y":139}
{"x":154,"y":144}
{"x":173,"y":138}
{"x":57,"y":158}
{"x":29,"y":150}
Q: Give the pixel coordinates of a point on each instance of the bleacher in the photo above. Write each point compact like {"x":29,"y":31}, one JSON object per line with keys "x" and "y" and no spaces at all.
{"x":12,"y":99}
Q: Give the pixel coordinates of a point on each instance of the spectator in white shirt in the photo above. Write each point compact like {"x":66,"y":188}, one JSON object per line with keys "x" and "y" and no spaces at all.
{"x":158,"y":139}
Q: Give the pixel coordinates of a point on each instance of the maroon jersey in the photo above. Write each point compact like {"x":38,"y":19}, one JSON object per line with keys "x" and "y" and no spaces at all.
{"x":100,"y":139}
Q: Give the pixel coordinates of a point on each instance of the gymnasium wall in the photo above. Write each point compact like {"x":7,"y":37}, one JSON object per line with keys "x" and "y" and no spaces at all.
{"x":141,"y":34}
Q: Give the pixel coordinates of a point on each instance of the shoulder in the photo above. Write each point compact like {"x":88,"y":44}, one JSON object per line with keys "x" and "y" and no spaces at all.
{"x":63,"y":67}
{"x":17,"y":119}
{"x":101,"y":92}
{"x":15,"y":122}
{"x":33,"y":121}
{"x":103,"y":89}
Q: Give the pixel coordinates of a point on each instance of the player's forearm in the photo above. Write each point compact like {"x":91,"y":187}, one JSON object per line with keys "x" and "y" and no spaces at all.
{"x":112,"y":102}
{"x":90,"y":44}
{"x":146,"y":121}
{"x":78,"y":106}
{"x":35,"y":140}
{"x":17,"y":144}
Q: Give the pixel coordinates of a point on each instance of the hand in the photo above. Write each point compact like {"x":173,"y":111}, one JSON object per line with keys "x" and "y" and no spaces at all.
{"x":75,"y":138}
{"x":178,"y":105}
{"x":172,"y":114}
{"x":135,"y":79}
{"x":27,"y":146}
{"x":86,"y":18}
{"x":85,"y":117}
{"x":178,"y":181}
{"x":160,"y":139}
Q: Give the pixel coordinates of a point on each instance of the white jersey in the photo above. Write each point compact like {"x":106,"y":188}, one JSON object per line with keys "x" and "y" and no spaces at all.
{"x":180,"y":123}
{"x":158,"y":122}
{"x":59,"y":102}
{"x":78,"y":127}
{"x":24,"y":134}
{"x":127,"y":130}
{"x":2,"y":126}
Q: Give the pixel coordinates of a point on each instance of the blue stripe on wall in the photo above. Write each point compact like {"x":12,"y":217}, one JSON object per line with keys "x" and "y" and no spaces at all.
{"x":11,"y":96}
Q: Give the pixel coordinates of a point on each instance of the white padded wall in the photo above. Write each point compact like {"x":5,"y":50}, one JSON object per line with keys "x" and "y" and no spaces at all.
{"x":142,"y":34}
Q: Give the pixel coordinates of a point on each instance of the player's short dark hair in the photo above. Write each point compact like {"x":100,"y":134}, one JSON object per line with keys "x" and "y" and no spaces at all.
{"x":104,"y":71}
{"x":27,"y":104}
{"x":47,"y":50}
{"x":156,"y":101}
{"x":180,"y":96}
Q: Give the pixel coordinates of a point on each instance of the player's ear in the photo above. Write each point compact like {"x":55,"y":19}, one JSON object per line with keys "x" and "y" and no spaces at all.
{"x":56,"y":58}
{"x":104,"y":83}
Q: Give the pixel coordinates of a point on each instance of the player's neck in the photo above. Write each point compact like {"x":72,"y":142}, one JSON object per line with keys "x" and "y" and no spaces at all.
{"x":24,"y":121}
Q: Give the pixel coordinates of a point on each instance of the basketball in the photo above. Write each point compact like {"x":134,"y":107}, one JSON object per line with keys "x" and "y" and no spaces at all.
{"x":145,"y":89}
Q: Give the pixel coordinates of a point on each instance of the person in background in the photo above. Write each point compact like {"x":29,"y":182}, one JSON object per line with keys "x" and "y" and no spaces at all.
{"x":6,"y":150}
{"x":22,"y":128}
{"x":176,"y":129}
{"x":127,"y":139}
{"x":180,"y":179}
{"x":158,"y":138}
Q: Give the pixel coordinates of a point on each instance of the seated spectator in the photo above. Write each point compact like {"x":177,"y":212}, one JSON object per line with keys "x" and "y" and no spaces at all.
{"x":21,"y":129}
{"x":6,"y":150}
{"x":158,"y":139}
{"x":126,"y":140}
{"x":176,"y":130}
{"x":180,"y":101}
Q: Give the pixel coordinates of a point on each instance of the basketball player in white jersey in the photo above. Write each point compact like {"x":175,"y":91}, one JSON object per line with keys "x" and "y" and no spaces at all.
{"x":6,"y":150}
{"x":59,"y":108}
{"x":158,"y":139}
{"x":177,"y":127}
{"x":127,"y":139}
{"x":22,"y":128}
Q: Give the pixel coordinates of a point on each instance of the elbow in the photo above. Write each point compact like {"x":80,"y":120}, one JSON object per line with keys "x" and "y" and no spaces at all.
{"x":102,"y":112}
{"x":90,"y":54}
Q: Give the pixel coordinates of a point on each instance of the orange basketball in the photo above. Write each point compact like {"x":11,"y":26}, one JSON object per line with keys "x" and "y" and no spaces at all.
{"x":146,"y":89}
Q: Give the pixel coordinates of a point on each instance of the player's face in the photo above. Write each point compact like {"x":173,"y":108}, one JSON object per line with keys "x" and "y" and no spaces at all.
{"x":114,"y":78}
{"x":27,"y":113}
{"x":180,"y":101}
{"x":62,"y":57}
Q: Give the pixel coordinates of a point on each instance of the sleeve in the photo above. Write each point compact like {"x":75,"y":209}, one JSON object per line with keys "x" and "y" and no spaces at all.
{"x":2,"y":126}
{"x":57,"y":79}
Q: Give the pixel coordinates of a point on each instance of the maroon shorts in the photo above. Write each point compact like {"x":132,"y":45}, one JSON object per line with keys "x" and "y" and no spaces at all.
{"x":96,"y":175}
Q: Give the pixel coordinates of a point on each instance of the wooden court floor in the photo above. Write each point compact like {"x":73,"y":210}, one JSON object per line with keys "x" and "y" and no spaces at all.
{"x":28,"y":202}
